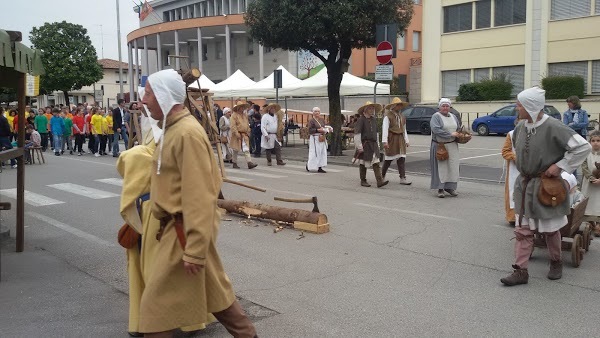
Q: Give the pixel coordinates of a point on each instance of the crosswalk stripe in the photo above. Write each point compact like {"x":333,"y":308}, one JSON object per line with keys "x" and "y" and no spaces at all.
{"x":239,"y":179}
{"x":112,"y":181}
{"x":31,"y":198}
{"x":303,"y":167}
{"x":70,"y":229}
{"x":253,"y":173}
{"x":83,"y":190}
{"x":283,"y":171}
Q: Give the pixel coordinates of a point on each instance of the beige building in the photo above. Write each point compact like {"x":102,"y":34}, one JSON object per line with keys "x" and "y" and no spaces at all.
{"x":464,"y":41}
{"x":107,"y":88}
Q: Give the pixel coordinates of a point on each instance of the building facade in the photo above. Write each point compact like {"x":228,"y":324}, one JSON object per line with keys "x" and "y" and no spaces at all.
{"x":465,"y":41}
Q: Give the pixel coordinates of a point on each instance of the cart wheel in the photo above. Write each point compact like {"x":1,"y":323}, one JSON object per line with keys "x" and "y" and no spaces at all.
{"x":576,"y":251}
{"x":587,"y":237}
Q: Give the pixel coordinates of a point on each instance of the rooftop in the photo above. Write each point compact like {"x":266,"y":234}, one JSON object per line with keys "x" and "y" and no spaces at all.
{"x":112,"y":64}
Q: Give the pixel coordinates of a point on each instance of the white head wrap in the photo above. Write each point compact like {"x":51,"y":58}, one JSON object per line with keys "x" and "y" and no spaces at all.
{"x":169,"y":90}
{"x":570,"y":178}
{"x":148,"y":123}
{"x":226,"y":110}
{"x":533,"y":100}
{"x":444,"y":100}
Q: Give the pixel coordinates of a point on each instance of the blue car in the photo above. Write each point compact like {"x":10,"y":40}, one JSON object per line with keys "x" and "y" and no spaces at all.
{"x":503,"y":120}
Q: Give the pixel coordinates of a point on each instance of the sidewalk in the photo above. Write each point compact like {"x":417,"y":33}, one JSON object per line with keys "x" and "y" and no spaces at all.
{"x":44,"y":296}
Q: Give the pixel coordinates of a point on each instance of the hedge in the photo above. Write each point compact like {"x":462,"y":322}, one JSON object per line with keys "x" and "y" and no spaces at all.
{"x":469,"y":92}
{"x":559,"y":87}
{"x":498,"y":88}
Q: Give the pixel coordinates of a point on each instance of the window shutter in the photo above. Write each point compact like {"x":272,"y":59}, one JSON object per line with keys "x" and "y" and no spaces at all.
{"x":484,"y":13}
{"x":564,"y":9}
{"x":481,"y":74}
{"x":596,"y":76}
{"x":451,"y":81}
{"x":516,"y":76}
{"x":570,"y":68}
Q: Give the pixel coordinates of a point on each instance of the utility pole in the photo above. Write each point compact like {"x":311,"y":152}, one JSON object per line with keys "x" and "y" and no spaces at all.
{"x":102,"y":37}
{"x":120,"y":57}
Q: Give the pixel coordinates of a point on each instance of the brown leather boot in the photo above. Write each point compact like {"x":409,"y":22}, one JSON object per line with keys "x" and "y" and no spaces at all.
{"x":597,"y":229}
{"x":555,"y":270}
{"x":252,"y":165}
{"x":519,"y":276}
{"x":235,"y":320}
{"x":378,"y":176}
{"x":363,"y":176}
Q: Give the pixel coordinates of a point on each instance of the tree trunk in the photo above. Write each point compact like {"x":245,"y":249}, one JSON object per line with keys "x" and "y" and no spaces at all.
{"x":272,"y":212}
{"x":66,"y":94}
{"x":334,"y":76}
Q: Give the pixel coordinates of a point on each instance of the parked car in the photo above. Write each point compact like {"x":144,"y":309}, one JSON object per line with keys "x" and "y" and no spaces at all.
{"x":503,"y":120}
{"x":418,"y":118}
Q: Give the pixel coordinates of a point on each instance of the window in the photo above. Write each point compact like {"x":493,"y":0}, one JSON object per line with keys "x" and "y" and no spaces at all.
{"x":218,"y":51}
{"x":407,"y":112}
{"x":565,"y":9}
{"x":191,"y":11}
{"x":508,"y":111}
{"x":458,"y":18}
{"x":570,"y":68}
{"x":416,"y":41}
{"x":417,"y":2}
{"x":166,"y":17}
{"x":481,"y":74}
{"x":268,"y":49}
{"x":514,"y":74}
{"x":250,"y":47}
{"x":510,"y":12}
{"x":597,"y":6}
{"x":218,"y":8}
{"x":204,"y":52}
{"x":452,"y":79}
{"x":596,"y":76}
{"x":483,"y":14}
{"x":167,"y":59}
{"x":402,"y":41}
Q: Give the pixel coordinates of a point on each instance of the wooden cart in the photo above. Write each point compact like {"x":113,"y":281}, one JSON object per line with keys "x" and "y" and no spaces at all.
{"x":579,"y":239}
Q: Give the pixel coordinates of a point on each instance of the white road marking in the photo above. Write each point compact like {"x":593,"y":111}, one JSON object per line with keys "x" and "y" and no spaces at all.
{"x":284,"y":171}
{"x":409,"y":212}
{"x":112,"y":181}
{"x":239,"y":179}
{"x":31,"y":198}
{"x":472,"y":157}
{"x":418,"y":152}
{"x":252,"y":173}
{"x":114,"y":165}
{"x":469,"y":148}
{"x":83,"y":190}
{"x":303,"y":167}
{"x":70,"y":229}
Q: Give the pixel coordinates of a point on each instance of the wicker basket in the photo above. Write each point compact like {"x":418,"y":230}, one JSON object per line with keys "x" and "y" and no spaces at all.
{"x":463,"y":136}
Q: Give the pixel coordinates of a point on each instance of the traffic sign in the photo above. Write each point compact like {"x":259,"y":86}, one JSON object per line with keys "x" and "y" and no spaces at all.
{"x":384,"y":52}
{"x":384,"y":72}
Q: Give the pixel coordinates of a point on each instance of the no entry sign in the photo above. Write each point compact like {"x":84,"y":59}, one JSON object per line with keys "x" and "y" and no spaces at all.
{"x":384,"y":52}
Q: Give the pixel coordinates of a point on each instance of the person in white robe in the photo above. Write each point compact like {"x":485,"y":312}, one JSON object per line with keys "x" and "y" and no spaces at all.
{"x":317,"y":143}
{"x":269,"y":127}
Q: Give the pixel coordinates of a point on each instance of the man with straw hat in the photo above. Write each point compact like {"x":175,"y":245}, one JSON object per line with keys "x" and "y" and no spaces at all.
{"x":367,"y":146}
{"x":188,"y":281}
{"x":240,"y":134}
{"x":395,"y":138}
{"x":269,"y":128}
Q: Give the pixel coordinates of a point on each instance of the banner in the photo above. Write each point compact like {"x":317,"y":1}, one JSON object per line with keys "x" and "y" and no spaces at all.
{"x":32,"y":86}
{"x":309,"y":64}
{"x":145,"y":10}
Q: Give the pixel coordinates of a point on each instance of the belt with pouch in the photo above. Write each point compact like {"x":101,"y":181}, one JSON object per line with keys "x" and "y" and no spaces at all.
{"x":177,"y":223}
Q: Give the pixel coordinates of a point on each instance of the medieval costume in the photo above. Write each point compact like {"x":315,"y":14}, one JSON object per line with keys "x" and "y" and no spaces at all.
{"x":317,"y":143}
{"x":511,"y":173}
{"x":224,"y":128}
{"x":270,"y":139}
{"x":240,"y":135}
{"x":444,"y":174}
{"x":395,"y":138}
{"x":590,"y":190}
{"x":188,"y":281}
{"x":544,"y":146}
{"x":367,"y":144}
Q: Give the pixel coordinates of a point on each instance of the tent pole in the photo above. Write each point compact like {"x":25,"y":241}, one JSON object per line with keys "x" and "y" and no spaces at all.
{"x":375,"y":92}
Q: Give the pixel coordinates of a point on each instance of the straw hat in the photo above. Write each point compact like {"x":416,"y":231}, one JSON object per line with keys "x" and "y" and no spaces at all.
{"x":240,"y":106}
{"x":395,"y":102}
{"x":370,"y":104}
{"x":271,"y":105}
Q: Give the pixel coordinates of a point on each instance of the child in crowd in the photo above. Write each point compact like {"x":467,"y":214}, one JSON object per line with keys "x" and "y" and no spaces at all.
{"x":591,"y":182}
{"x":575,"y":196}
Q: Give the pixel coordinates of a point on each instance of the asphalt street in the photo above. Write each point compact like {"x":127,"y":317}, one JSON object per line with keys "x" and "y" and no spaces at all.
{"x":397,"y":262}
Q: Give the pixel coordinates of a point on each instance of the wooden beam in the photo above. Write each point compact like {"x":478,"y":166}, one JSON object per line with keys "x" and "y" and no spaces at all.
{"x":21,"y":165}
{"x":6,"y":155}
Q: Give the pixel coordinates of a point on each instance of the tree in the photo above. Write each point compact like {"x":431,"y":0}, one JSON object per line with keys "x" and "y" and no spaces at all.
{"x":68,"y":56}
{"x":337,"y":26}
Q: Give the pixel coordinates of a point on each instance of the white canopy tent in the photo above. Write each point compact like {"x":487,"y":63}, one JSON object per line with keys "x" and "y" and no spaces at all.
{"x":265,"y":87}
{"x":351,"y":85}
{"x":232,"y":85}
{"x":205,"y":83}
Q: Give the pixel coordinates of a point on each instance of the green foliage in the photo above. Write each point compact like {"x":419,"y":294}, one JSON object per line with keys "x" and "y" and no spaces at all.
{"x":68,"y":56}
{"x":559,"y":87}
{"x":8,"y":94}
{"x":498,"y":88}
{"x":394,"y":84}
{"x":469,"y":92}
{"x":331,"y":25}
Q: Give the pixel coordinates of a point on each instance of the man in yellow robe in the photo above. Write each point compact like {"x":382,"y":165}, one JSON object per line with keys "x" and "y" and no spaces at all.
{"x":134,"y":165}
{"x":187,"y":280}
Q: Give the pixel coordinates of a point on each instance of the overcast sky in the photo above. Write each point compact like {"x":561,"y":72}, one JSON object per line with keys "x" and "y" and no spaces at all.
{"x":23,"y":15}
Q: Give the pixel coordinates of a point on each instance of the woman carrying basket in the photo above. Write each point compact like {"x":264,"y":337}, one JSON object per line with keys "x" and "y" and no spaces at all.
{"x":444,"y":155}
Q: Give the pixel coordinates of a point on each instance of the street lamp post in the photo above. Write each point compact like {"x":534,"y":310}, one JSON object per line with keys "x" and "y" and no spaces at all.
{"x":120,"y":57}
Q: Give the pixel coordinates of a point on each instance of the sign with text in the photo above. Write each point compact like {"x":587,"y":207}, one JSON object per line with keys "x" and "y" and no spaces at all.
{"x":98,"y":95}
{"x":32,"y":86}
{"x":384,"y":72}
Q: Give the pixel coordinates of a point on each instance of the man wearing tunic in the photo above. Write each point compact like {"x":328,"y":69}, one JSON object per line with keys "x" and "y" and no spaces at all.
{"x":269,"y":128}
{"x":395,"y":138}
{"x":187,"y":281}
{"x":544,"y":146}
{"x":367,"y":145}
{"x":240,"y":135}
{"x":317,"y":144}
{"x":224,"y":127}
